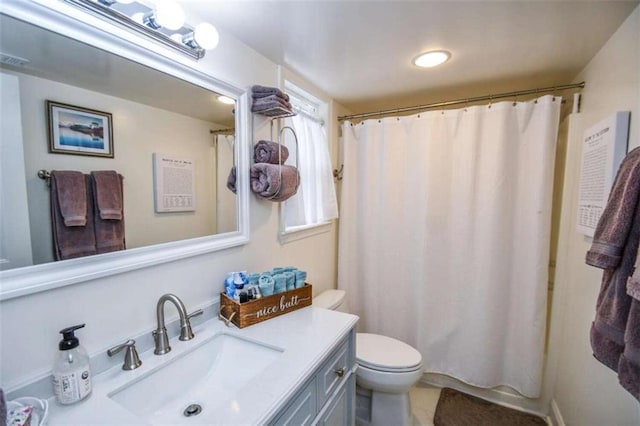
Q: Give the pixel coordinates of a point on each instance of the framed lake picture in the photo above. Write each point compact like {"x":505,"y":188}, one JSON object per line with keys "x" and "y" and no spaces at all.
{"x":79,"y":131}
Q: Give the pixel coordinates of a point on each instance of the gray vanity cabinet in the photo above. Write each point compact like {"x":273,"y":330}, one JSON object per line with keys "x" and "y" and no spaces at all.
{"x":328,"y":396}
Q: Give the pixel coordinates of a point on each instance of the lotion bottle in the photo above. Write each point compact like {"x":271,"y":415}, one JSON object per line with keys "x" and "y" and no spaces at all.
{"x":71,"y":371}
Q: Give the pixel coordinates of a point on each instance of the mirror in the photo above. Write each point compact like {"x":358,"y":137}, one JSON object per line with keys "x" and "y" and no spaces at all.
{"x":154,"y":115}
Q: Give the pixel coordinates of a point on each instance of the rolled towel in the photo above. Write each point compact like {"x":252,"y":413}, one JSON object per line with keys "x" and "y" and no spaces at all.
{"x":231,"y":180}
{"x":266,"y":284}
{"x":280,"y":283}
{"x":270,"y":152}
{"x":274,"y":182}
{"x":258,"y":91}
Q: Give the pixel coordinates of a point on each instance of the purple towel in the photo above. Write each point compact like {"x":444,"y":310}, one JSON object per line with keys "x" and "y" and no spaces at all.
{"x":231,"y":180}
{"x":629,"y":365}
{"x":71,"y":241}
{"x":109,"y":233}
{"x":615,"y":249}
{"x":273,"y":99}
{"x":258,"y":92}
{"x":274,"y":182}
{"x":72,"y":196}
{"x":270,"y":152}
{"x":266,"y":106}
{"x":108,"y":194}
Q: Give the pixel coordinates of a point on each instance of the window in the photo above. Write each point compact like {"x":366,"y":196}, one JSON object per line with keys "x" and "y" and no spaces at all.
{"x":315,"y":204}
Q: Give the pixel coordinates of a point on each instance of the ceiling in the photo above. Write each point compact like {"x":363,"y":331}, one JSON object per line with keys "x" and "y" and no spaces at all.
{"x":360,"y":52}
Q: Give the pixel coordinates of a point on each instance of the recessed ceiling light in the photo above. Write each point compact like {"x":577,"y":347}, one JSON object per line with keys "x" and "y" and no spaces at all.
{"x":226,"y":100}
{"x":432,"y":58}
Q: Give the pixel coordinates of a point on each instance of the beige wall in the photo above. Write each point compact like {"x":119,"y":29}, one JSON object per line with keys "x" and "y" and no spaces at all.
{"x":585,"y":392}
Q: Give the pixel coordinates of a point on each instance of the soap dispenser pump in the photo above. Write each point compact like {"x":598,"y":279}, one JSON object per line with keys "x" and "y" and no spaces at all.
{"x":71,"y":371}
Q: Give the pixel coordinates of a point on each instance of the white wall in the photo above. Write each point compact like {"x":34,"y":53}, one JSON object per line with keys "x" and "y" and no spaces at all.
{"x":585,"y":392}
{"x":123,"y":305}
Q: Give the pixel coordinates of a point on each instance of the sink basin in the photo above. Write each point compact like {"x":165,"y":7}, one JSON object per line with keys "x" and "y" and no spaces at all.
{"x":202,"y":379}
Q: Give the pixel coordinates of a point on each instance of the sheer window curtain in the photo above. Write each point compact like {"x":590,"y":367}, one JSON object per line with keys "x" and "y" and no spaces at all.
{"x":445,"y":232}
{"x":315,"y":202}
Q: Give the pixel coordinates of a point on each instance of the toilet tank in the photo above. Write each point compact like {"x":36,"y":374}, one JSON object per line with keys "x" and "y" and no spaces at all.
{"x":331,"y":299}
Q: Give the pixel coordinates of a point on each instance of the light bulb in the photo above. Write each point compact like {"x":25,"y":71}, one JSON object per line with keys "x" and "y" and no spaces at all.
{"x":226,"y":100}
{"x":432,"y":59}
{"x":124,"y":1}
{"x":206,"y":35}
{"x":169,"y":15}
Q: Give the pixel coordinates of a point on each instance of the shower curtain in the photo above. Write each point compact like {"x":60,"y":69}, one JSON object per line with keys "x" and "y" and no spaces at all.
{"x":445,"y":232}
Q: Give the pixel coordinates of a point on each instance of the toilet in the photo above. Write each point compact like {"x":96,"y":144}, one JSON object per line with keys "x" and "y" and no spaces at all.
{"x":387,"y":368}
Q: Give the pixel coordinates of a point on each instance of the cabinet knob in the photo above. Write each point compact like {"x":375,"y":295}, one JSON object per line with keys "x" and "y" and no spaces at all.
{"x":340,"y":372}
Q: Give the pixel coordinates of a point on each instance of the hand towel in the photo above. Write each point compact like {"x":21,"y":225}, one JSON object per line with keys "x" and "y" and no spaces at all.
{"x":231,"y":180}
{"x":109,"y":233}
{"x":72,"y":196}
{"x":613,"y":227}
{"x":71,"y":241}
{"x":274,"y":182}
{"x":615,"y":249}
{"x":258,"y":91}
{"x":108,"y":194}
{"x":270,"y":152}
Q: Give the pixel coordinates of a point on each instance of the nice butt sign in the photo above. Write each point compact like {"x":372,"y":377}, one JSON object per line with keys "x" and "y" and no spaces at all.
{"x":249,"y":313}
{"x":283,"y":306}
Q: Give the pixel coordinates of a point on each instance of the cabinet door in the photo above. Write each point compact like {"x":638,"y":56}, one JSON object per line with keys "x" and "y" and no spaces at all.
{"x":340,"y":410}
{"x":333,"y":373}
{"x":302,"y":410}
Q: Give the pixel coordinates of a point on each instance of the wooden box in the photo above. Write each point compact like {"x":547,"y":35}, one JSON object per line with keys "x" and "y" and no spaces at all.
{"x":249,"y":313}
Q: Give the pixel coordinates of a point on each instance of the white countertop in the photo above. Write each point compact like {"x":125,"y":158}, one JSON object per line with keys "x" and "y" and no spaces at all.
{"x":306,"y":336}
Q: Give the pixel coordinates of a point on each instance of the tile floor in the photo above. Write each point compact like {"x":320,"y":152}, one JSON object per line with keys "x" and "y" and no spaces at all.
{"x":424,"y":399}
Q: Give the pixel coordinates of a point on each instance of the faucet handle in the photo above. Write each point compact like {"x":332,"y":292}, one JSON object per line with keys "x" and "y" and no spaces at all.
{"x":195,"y":313}
{"x":185,"y":326}
{"x":131,"y":359}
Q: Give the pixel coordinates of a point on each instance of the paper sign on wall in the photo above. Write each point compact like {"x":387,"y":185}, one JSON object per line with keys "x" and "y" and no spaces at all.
{"x":173,"y":184}
{"x":604,"y":146}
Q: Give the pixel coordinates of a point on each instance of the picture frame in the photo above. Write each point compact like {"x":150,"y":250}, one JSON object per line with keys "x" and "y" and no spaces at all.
{"x":77,"y":130}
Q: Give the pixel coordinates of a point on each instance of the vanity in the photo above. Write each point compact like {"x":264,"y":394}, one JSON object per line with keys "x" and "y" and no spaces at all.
{"x":295,"y":369}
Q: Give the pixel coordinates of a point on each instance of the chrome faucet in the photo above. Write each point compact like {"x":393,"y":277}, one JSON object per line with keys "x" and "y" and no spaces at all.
{"x":160,"y":333}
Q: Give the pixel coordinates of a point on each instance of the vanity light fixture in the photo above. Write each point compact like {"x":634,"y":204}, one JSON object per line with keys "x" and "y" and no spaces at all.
{"x":226,"y":100}
{"x":162,"y":21}
{"x":432,"y":58}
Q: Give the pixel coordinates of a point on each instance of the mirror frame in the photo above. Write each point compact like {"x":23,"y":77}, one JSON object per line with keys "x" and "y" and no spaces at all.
{"x":62,"y":18}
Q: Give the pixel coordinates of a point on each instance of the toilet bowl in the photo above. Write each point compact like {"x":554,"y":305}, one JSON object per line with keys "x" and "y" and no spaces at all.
{"x":387,"y":368}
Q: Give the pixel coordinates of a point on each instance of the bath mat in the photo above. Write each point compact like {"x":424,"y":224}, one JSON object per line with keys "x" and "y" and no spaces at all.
{"x":459,"y":409}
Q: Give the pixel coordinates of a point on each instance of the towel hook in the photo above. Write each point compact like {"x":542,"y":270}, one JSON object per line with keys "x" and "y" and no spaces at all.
{"x":337,"y":173}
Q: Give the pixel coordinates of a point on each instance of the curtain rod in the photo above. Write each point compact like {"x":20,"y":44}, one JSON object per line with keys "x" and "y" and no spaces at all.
{"x":228,"y":131}
{"x":464,"y":101}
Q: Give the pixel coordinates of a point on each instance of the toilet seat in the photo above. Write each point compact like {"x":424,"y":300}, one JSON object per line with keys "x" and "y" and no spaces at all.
{"x":385,"y":354}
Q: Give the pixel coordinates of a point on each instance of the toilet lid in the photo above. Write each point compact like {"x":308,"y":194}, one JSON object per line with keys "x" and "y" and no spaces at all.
{"x":385,"y":353}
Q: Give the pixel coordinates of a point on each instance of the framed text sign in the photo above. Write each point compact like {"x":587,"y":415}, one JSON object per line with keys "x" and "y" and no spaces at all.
{"x":604,"y":146}
{"x":174,"y":186}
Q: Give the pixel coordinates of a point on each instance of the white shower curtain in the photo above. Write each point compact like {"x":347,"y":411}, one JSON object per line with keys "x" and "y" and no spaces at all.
{"x":444,"y":236}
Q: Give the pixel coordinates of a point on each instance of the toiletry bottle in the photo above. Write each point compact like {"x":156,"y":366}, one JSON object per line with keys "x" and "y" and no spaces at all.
{"x":71,"y":372}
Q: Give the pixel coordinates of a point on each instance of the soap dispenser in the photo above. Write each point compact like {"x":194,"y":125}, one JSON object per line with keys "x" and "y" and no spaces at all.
{"x":71,"y":372}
